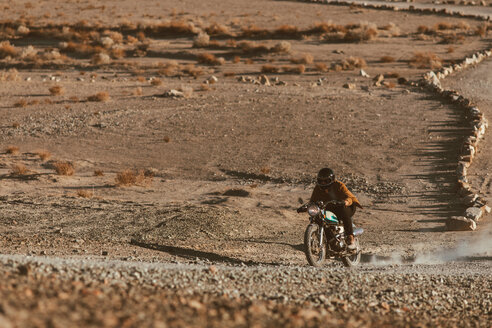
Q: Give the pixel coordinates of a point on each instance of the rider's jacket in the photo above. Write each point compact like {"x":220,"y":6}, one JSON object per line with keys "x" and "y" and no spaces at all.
{"x":336,"y":191}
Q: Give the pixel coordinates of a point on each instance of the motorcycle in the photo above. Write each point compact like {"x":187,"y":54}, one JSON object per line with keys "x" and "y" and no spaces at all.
{"x":325,"y":236}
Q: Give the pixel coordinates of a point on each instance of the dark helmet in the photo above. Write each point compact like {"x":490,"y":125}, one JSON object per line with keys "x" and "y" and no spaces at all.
{"x":325,"y":177}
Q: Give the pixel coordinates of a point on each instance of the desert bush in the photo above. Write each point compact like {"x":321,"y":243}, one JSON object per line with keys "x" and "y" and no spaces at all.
{"x":117,"y":53}
{"x":12,"y":150}
{"x":450,"y":49}
{"x":156,"y":81}
{"x":7,"y":50}
{"x":186,"y":90}
{"x":21,"y":103}
{"x":16,"y":125}
{"x":443,"y":26}
{"x":236,"y":59}
{"x":192,"y":70}
{"x":254,"y":32}
{"x":251,"y":47}
{"x":296,"y":69}
{"x":64,"y":168}
{"x":205,"y":87}
{"x":18,"y":169}
{"x":98,"y":173}
{"x":217,"y":29}
{"x":85,"y":193}
{"x":282,"y":47}
{"x":265,"y":170}
{"x":43,"y":154}
{"x":302,"y":59}
{"x":201,"y":40}
{"x":99,"y":97}
{"x":350,"y":63}
{"x":101,"y":59}
{"x":387,"y":59}
{"x":74,"y":99}
{"x":10,"y":75}
{"x":390,"y":75}
{"x":287,"y":31}
{"x":425,"y":60}
{"x":481,"y":30}
{"x":451,"y":38}
{"x":326,"y":27}
{"x":132,"y":177}
{"x":57,"y":90}
{"x":138,"y":91}
{"x":270,"y":69}
{"x":210,"y":59}
{"x":321,"y":67}
{"x":229,"y":74}
{"x":364,"y":32}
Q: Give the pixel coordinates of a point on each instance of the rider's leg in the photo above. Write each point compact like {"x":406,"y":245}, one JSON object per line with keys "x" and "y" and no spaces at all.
{"x":345,"y":214}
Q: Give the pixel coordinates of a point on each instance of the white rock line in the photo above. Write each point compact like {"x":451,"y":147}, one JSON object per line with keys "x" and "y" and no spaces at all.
{"x":476,"y":204}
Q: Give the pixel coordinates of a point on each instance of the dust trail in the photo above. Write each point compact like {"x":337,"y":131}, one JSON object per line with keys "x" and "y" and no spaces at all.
{"x":479,"y":244}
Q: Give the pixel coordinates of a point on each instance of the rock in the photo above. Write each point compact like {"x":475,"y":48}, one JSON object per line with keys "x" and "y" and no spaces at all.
{"x":349,"y":86}
{"x":378,"y":78}
{"x":212,"y":79}
{"x":264,"y":80}
{"x":212,"y":269}
{"x":473,"y":213}
{"x":104,"y":253}
{"x":363,"y":73}
{"x":173,"y":94}
{"x":402,"y":80}
{"x":460,"y":223}
{"x":486,"y":209}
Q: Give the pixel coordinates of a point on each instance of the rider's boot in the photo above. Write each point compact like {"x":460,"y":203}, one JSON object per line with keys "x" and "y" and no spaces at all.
{"x":351,"y":242}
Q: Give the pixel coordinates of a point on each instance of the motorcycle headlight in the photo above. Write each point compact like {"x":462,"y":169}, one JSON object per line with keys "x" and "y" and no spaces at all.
{"x":313,"y":210}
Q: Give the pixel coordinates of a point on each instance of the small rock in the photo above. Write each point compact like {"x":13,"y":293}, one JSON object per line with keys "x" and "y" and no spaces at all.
{"x":402,"y":80}
{"x":363,"y":73}
{"x":264,"y":80}
{"x":349,"y":86}
{"x":212,"y":79}
{"x":173,"y":94}
{"x":473,"y":213}
{"x":104,"y":253}
{"x":460,"y":223}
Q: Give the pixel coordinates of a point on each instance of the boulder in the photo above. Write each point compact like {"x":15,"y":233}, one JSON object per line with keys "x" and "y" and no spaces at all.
{"x":473,"y":213}
{"x":460,"y":223}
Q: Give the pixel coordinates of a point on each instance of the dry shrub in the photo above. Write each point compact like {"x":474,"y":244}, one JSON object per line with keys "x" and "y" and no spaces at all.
{"x":156,"y":81}
{"x":192,"y":70}
{"x":210,"y":59}
{"x":270,"y":69}
{"x":84,"y":50}
{"x":482,"y":29}
{"x":350,"y":63}
{"x":201,"y":40}
{"x":166,"y":139}
{"x":7,"y":50}
{"x":98,"y":173}
{"x":138,"y":91}
{"x":229,"y":74}
{"x":389,"y":85}
{"x":16,"y":125}
{"x":20,"y":103}
{"x":443,"y":26}
{"x":132,"y":178}
{"x":297,"y":69}
{"x":287,"y":31}
{"x":101,"y":59}
{"x":169,"y":69}
{"x":18,"y":169}
{"x":99,"y":97}
{"x":249,"y":61}
{"x":265,"y":170}
{"x":282,"y":47}
{"x":422,"y":29}
{"x":56,"y":90}
{"x":364,"y":32}
{"x":452,"y":38}
{"x":326,"y":27}
{"x":74,"y":99}
{"x":85,"y":193}
{"x":253,"y":48}
{"x":141,"y":79}
{"x":217,"y":29}
{"x":12,"y":150}
{"x":425,"y":60}
{"x":64,"y":168}
{"x":387,"y":59}
{"x":390,"y":75}
{"x":236,"y":59}
{"x":43,"y":154}
{"x":321,"y":67}
{"x":117,"y":53}
{"x":205,"y":87}
{"x":303,"y":59}
{"x":450,"y":49}
{"x":11,"y":75}
{"x":254,"y":32}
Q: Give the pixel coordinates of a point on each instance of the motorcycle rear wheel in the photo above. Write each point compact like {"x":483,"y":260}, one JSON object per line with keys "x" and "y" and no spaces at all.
{"x":315,"y":254}
{"x":353,"y":260}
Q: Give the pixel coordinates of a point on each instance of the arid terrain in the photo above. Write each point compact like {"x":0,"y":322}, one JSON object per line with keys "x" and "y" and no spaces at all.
{"x":153,"y":153}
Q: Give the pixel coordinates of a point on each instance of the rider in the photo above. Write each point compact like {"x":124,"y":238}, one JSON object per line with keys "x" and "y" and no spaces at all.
{"x":328,"y":189}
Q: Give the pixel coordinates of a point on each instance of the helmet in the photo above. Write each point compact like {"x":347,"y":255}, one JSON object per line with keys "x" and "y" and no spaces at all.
{"x":325,"y":177}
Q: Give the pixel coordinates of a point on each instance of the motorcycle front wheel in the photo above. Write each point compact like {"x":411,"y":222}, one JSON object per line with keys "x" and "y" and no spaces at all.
{"x":353,"y":260}
{"x":315,"y":253}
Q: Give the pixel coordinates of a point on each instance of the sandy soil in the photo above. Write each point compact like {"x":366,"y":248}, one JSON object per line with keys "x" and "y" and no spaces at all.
{"x":225,"y":165}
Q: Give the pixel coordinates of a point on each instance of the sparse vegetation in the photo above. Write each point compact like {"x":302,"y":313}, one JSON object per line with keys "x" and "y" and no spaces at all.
{"x":12,"y":150}
{"x":57,"y":90}
{"x":425,"y":60}
{"x":303,"y":59}
{"x":387,"y":59}
{"x":7,"y":50}
{"x":85,"y":193}
{"x":64,"y":168}
{"x":132,"y":178}
{"x":210,"y":59}
{"x":43,"y":154}
{"x":270,"y":69}
{"x":21,"y":103}
{"x":156,"y":81}
{"x":10,"y":75}
{"x":19,"y":169}
{"x":98,"y":173}
{"x":99,"y":97}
